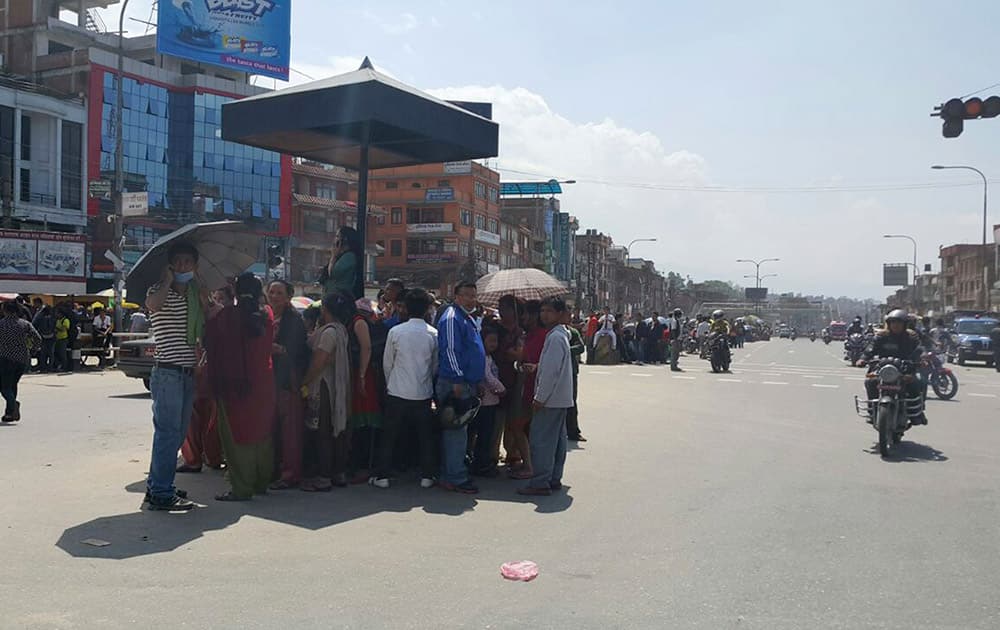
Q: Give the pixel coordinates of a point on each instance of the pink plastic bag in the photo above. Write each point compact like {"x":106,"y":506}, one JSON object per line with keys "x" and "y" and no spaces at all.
{"x":525,"y":570}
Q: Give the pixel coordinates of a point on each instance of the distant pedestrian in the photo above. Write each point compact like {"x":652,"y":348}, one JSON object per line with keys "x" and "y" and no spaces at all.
{"x":342,"y":273}
{"x":654,"y":340}
{"x":17,"y":336}
{"x":553,"y":397}
{"x":45,"y":324}
{"x":576,"y":348}
{"x":676,"y":326}
{"x":61,"y":361}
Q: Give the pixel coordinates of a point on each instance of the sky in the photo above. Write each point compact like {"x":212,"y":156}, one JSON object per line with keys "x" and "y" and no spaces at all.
{"x":654,"y":106}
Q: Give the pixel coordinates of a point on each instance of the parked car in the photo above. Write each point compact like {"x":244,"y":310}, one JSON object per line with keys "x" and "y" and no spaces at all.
{"x":973,"y":335}
{"x":784,"y":332}
{"x":135,"y":358}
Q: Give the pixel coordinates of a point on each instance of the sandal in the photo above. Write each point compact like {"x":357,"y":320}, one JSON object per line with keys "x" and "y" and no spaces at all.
{"x":229,"y":496}
{"x":281,"y":484}
{"x":316,"y":486}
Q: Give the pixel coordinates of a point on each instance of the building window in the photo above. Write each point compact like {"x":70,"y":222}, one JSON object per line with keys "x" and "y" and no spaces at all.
{"x":466,"y":217}
{"x":480,"y":222}
{"x":397,"y":216}
{"x":463,"y":248}
{"x":26,"y":184}
{"x":325,"y":191}
{"x":416,"y":185}
{"x":494,"y":194}
{"x":492,"y":255}
{"x":424,"y":215}
{"x":396,"y":248}
{"x":72,"y":161}
{"x":391,"y":185}
{"x":494,"y":226}
{"x":380,"y":219}
{"x":26,"y":138}
{"x":480,"y":252}
{"x":481,"y":190}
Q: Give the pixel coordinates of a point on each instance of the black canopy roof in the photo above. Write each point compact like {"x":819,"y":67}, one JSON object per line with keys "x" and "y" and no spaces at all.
{"x":328,"y":120}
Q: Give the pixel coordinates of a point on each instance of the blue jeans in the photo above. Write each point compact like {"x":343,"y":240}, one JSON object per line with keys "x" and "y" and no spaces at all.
{"x":173,"y":399}
{"x":548,"y":446}
{"x":454,"y":442}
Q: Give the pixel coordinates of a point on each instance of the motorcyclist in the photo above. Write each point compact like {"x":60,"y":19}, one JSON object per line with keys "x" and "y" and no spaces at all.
{"x":921,"y":332}
{"x":895,"y":341}
{"x":941,"y":335}
{"x":856,"y":327}
{"x":719,"y":323}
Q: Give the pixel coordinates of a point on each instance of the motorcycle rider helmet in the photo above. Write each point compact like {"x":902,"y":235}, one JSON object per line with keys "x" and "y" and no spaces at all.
{"x":857,"y":319}
{"x":718,"y":314}
{"x":677,"y":312}
{"x":898,"y":315}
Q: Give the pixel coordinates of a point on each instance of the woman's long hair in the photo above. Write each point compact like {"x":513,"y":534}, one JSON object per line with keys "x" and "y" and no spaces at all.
{"x":249,"y":291}
{"x":341,"y":306}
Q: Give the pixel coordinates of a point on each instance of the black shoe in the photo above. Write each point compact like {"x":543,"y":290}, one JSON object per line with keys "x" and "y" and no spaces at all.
{"x":677,"y":369}
{"x":174,"y":504}
{"x":177,"y":493}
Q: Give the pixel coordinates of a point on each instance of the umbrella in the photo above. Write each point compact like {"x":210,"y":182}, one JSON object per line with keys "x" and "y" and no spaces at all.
{"x":302,"y":302}
{"x":663,"y":320}
{"x":225,"y":250}
{"x":527,"y":284}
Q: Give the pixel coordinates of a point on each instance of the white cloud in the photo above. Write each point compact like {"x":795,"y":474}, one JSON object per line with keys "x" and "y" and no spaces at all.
{"x":396,"y":25}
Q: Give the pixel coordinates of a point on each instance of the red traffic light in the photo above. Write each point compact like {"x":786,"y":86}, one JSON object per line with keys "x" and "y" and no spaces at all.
{"x":973,"y":107}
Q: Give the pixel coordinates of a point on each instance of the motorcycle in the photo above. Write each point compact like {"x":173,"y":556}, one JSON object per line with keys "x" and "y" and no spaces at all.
{"x":941,"y":379}
{"x":891,"y":413}
{"x":827,"y":339}
{"x":854,"y":347}
{"x":792,"y":335}
{"x":812,"y":336}
{"x":719,"y":354}
{"x":691,"y":344}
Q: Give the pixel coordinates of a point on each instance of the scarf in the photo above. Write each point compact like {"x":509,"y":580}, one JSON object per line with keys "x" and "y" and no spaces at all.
{"x":336,"y":377}
{"x":195,"y":314}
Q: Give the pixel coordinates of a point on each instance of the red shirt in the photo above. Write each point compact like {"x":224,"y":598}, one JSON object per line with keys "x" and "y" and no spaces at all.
{"x":534,"y":341}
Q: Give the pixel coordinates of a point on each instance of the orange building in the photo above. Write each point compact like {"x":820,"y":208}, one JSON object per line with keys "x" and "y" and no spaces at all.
{"x":443,"y":223}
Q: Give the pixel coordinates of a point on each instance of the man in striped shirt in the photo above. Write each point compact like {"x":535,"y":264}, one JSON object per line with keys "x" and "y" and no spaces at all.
{"x":176,"y":320}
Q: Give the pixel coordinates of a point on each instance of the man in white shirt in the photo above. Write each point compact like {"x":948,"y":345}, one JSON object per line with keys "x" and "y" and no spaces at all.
{"x":410,"y":363}
{"x":607,"y":328}
{"x":101,"y":331}
{"x":701,"y":332}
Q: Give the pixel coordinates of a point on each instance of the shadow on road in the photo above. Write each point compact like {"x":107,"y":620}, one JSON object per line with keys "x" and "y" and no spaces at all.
{"x":135,"y":396}
{"x":906,"y":451}
{"x":142,"y":532}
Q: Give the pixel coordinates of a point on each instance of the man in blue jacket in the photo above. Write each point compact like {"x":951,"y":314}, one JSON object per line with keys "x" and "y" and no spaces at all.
{"x":461,"y":366}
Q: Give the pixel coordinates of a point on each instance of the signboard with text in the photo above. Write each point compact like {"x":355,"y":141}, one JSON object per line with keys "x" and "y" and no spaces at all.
{"x":458,"y":168}
{"x":755,"y":294}
{"x":427,"y":259}
{"x":41,"y":254}
{"x":251,"y":36}
{"x":439,"y":194}
{"x":895,"y":275}
{"x":428,"y":228}
{"x":487,"y":237}
{"x":135,"y":204}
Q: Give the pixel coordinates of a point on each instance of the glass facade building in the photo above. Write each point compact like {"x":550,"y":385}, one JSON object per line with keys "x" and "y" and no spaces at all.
{"x":173,"y":150}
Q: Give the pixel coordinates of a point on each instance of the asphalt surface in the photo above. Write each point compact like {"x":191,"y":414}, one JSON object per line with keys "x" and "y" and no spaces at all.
{"x":754,"y":499}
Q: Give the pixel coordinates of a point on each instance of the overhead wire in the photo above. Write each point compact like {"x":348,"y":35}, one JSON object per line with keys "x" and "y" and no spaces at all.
{"x":832,"y":188}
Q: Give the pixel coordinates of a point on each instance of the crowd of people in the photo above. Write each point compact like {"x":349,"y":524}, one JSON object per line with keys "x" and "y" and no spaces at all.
{"x":352,"y":390}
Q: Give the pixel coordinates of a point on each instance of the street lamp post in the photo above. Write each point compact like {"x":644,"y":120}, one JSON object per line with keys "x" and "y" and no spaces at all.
{"x":116,"y":245}
{"x":986,"y":186}
{"x":628,"y":248}
{"x":757,"y":264}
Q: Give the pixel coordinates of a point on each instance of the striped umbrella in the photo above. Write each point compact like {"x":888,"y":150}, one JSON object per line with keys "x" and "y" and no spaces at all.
{"x":302,"y":302}
{"x":527,"y":284}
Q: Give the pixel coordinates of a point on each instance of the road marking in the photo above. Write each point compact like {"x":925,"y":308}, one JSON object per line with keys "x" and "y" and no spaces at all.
{"x":639,"y":374}
{"x":855,"y":378}
{"x":774,"y":383}
{"x":730,"y":380}
{"x":684,"y":378}
{"x":595,"y":372}
{"x":983,"y":395}
{"x":826,"y":386}
{"x":810,"y":376}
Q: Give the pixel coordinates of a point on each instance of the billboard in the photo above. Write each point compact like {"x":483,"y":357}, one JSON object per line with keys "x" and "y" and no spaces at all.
{"x":756,"y":294}
{"x":439,"y":194}
{"x":247,"y":35}
{"x":895,"y":275}
{"x":26,"y":254}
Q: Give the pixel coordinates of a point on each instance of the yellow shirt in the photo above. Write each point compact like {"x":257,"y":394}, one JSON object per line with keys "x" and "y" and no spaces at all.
{"x":720,"y":326}
{"x":62,"y":328}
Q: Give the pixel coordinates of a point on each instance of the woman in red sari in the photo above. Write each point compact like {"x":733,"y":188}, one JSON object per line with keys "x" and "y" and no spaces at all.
{"x":534,"y":340}
{"x":238,"y":340}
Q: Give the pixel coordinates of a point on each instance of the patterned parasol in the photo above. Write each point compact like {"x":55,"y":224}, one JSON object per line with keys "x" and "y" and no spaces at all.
{"x":527,"y":284}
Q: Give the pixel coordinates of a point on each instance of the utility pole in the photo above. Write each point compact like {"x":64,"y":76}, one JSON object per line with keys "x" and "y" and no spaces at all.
{"x":118,"y":219}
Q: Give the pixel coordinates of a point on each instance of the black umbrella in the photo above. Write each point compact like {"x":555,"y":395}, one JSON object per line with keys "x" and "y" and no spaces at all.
{"x":362,"y":120}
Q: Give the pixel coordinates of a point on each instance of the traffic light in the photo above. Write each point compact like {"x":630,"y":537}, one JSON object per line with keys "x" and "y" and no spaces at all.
{"x":955,"y":112}
{"x":274,"y":259}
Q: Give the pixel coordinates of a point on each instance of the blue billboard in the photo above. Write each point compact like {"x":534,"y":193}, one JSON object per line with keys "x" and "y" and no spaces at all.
{"x":248,"y":35}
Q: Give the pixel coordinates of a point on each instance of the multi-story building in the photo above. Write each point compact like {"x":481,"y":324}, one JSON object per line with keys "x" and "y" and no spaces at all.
{"x":170,"y":122}
{"x":593,"y":270}
{"x":564,"y":229}
{"x":42,"y":170}
{"x":962,"y":275}
{"x":443,"y":223}
{"x":515,"y":243}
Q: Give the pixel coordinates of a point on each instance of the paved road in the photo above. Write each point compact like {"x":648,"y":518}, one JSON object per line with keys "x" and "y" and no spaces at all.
{"x":749,"y":500}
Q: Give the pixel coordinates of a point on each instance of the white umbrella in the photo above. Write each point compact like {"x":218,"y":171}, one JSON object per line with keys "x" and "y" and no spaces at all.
{"x":527,"y":284}
{"x":225,"y":250}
